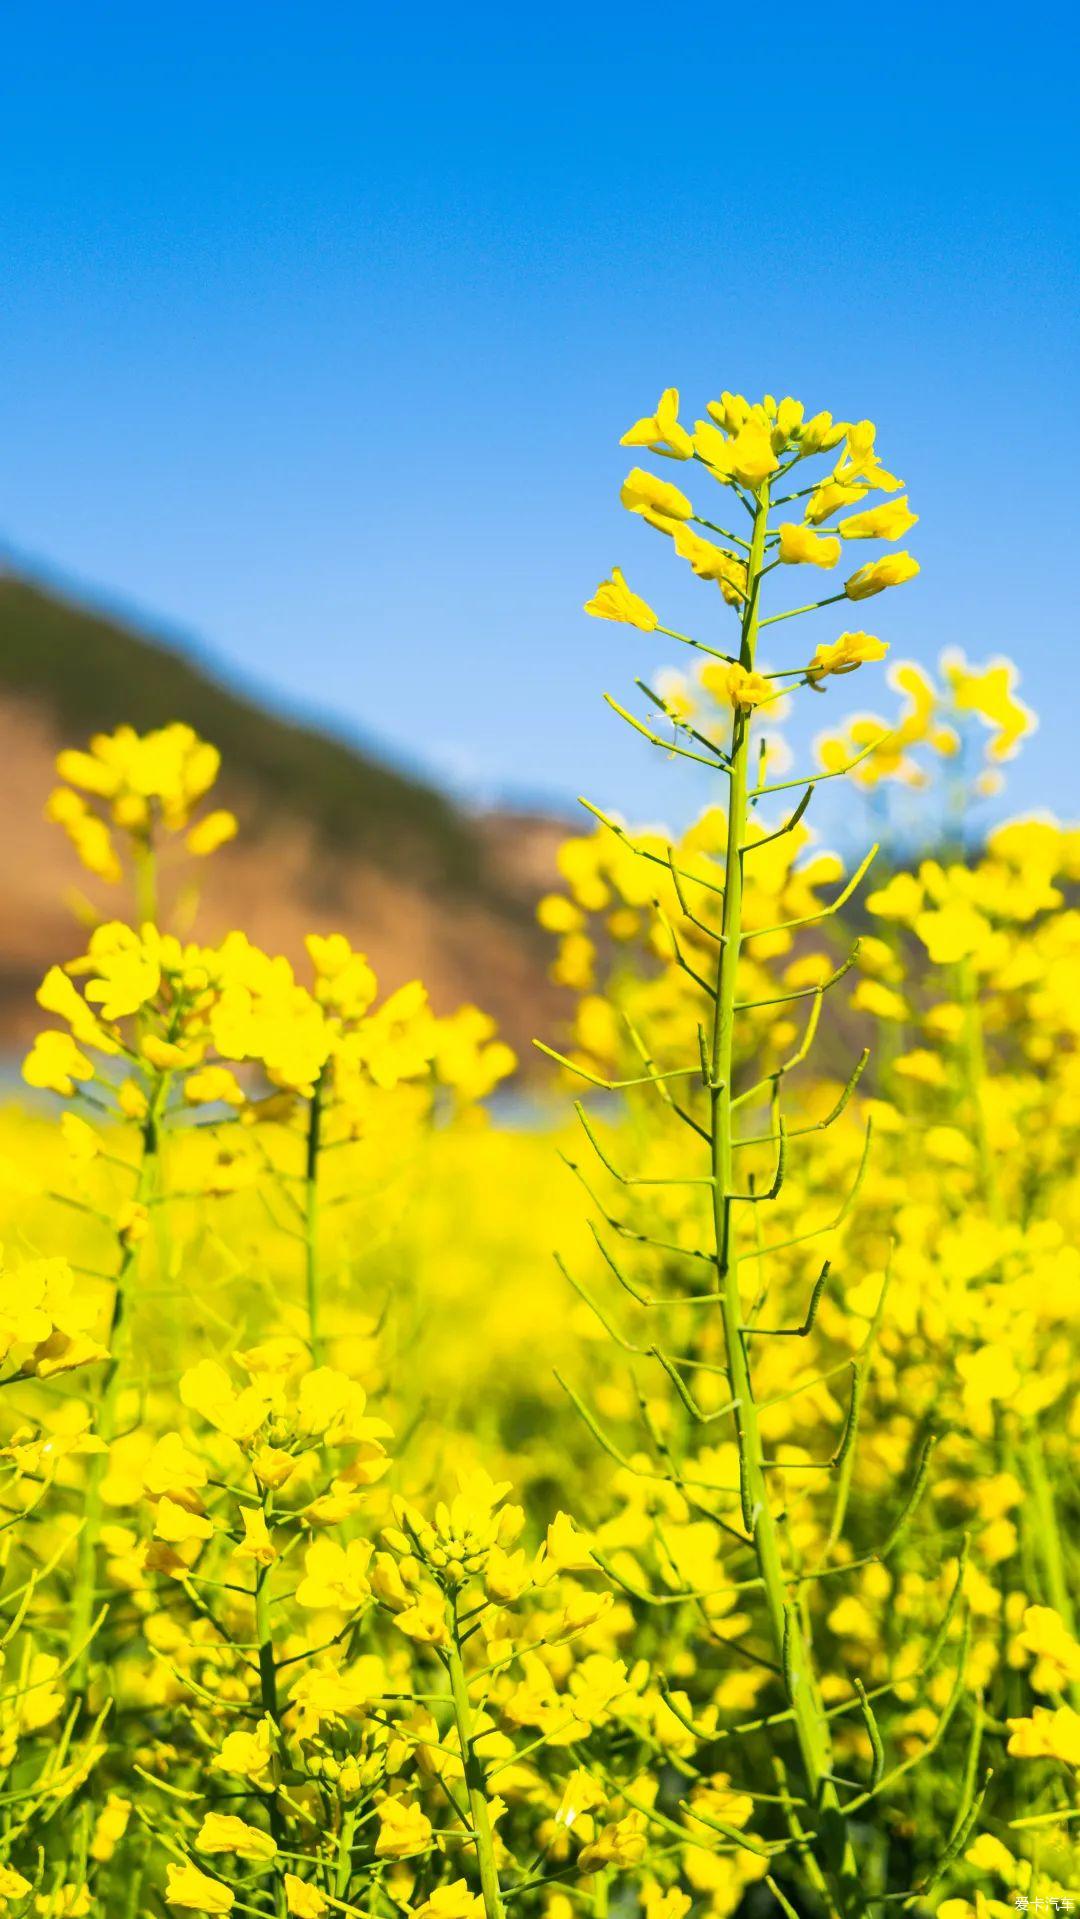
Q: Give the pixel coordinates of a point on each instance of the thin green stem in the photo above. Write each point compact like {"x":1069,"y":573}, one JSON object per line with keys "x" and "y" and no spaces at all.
{"x":475,"y":1778}
{"x":268,"y":1695}
{"x":789,"y":1644}
{"x":312,"y":1273}
{"x":1047,"y":1537}
{"x":794,"y":611}
{"x":84,"y":1592}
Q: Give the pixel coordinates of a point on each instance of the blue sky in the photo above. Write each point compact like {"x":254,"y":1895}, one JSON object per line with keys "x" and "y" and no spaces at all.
{"x":319,"y":325}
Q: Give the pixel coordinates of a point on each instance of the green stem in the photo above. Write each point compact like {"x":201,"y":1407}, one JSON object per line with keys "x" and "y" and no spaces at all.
{"x":312,"y":1273}
{"x":133,"y":1896}
{"x":343,"y":1873}
{"x":475,"y":1780}
{"x":1047,"y":1536}
{"x":104,"y":1402}
{"x":268,"y":1695}
{"x":789,"y":1642}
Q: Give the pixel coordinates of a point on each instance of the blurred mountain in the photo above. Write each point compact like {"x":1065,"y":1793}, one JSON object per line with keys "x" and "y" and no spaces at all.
{"x":332,"y":839}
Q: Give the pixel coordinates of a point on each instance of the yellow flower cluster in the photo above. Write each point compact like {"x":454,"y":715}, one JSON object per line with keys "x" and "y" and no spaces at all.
{"x":202,"y":1016}
{"x":142,"y":784}
{"x":935,"y":719}
{"x":744,"y":447}
{"x":44,"y":1319}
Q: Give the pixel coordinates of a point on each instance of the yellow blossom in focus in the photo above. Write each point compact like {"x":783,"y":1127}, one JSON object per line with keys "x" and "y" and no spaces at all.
{"x":178,"y":1526}
{"x":403,"y":1830}
{"x":657,"y":501}
{"x":845,"y":654}
{"x":566,"y":1547}
{"x":830,"y":495}
{"x":735,"y":686}
{"x":224,"y":1832}
{"x":453,"y":1901}
{"x":888,"y":522}
{"x":746,"y":456}
{"x":256,"y":1543}
{"x":800,"y":545}
{"x":335,"y":1577}
{"x":424,"y":1620}
{"x":892,"y":570}
{"x":191,"y":1890}
{"x":712,"y":562}
{"x":303,"y":1900}
{"x":660,"y":431}
{"x":613,"y":600}
{"x":623,"y":1843}
{"x":248,"y":1753}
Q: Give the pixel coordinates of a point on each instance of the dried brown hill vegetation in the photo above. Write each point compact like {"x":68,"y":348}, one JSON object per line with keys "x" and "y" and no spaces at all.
{"x":332,"y":838}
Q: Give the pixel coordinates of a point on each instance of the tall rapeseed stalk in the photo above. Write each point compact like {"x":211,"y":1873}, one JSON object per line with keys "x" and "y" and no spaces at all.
{"x":752,"y":452}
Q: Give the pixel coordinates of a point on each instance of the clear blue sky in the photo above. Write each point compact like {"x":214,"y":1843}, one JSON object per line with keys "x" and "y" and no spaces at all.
{"x":319,"y":325}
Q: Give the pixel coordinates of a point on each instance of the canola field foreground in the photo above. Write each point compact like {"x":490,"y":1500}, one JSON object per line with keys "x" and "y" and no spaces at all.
{"x":671,"y":1510}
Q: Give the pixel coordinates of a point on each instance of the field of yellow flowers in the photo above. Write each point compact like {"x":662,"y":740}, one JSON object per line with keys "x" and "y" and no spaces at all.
{"x":670,"y":1511}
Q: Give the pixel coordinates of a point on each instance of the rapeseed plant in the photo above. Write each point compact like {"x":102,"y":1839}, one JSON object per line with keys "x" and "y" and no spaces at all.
{"x":725,"y":1301}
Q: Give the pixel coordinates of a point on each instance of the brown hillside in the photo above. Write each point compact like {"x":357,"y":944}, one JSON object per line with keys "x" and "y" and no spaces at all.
{"x":331,"y":839}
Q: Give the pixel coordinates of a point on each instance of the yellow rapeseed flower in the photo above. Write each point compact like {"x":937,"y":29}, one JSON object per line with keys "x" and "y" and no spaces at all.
{"x":1047,"y":1735}
{"x":302,"y":1899}
{"x":800,"y":545}
{"x":404,"y":1829}
{"x":657,"y":501}
{"x":660,"y":431}
{"x":214,"y":830}
{"x":224,"y":1832}
{"x":712,"y":562}
{"x":335,"y":1576}
{"x":891,"y":570}
{"x":191,"y":1890}
{"x":887,"y":522}
{"x":613,"y":600}
{"x":453,"y":1901}
{"x":54,"y":1063}
{"x":851,"y":650}
{"x":735,"y":686}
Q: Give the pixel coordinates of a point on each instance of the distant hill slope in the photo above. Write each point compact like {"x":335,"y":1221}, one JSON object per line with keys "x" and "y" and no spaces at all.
{"x":331,"y":837}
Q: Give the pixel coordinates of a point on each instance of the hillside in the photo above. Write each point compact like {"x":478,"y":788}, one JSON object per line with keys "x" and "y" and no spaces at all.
{"x":331,"y":838}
